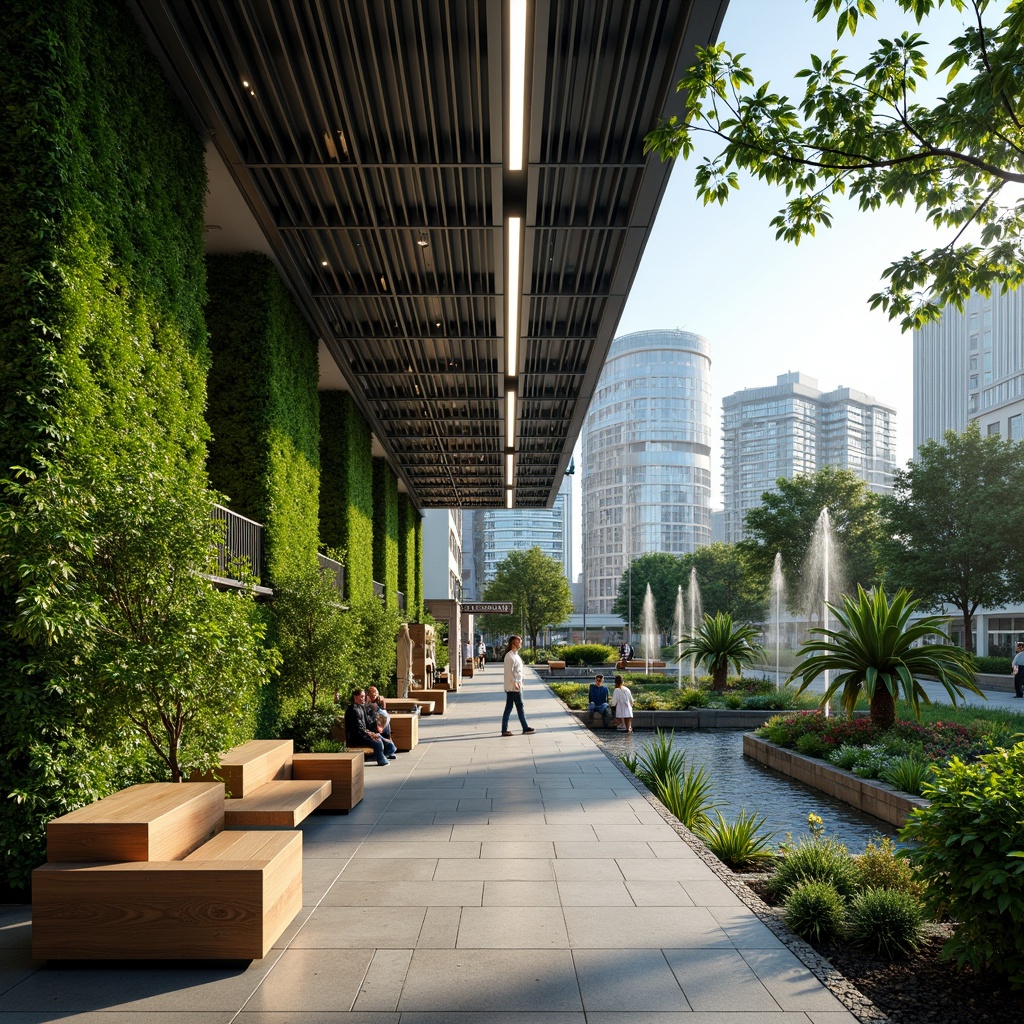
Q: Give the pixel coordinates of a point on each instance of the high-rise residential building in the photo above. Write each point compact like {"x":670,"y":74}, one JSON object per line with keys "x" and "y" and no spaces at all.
{"x":970,"y":366}
{"x":793,"y":429}
{"x":442,"y":554}
{"x":646,"y":457}
{"x":491,"y":534}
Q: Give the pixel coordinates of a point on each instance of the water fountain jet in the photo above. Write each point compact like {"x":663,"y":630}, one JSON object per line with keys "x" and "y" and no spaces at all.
{"x":696,"y":611}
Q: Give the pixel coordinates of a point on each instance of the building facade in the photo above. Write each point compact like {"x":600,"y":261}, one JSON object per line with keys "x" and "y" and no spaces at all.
{"x":646,"y":457}
{"x":491,"y":534}
{"x":442,"y":554}
{"x":793,"y":429}
{"x":969,"y":366}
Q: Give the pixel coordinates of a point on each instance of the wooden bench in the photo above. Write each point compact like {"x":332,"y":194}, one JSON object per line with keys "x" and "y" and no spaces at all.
{"x":405,"y":731}
{"x":148,"y":874}
{"x":266,"y":791}
{"x":404,"y":705}
{"x":556,"y":666}
{"x":438,"y":697}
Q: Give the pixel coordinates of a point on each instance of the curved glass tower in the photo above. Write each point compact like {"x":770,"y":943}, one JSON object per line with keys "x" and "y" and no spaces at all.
{"x":646,"y":457}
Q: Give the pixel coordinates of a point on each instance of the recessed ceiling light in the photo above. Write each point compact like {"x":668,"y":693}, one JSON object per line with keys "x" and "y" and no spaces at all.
{"x":423,"y":241}
{"x":512,"y":298}
{"x":323,"y":263}
{"x":516,"y":82}
{"x":245,"y":83}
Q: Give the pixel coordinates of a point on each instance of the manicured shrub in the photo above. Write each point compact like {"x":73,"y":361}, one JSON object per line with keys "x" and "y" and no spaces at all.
{"x":309,"y":726}
{"x":811,"y":745}
{"x":587,"y":654}
{"x":683,"y":700}
{"x":648,"y":702}
{"x":815,"y":911}
{"x":881,"y":867}
{"x":885,"y":921}
{"x":739,"y":843}
{"x":969,"y":845}
{"x":907,"y":774}
{"x":992,"y":665}
{"x":575,"y":695}
{"x":818,"y":859}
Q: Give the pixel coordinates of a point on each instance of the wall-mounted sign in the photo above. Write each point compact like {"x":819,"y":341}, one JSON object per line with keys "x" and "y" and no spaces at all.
{"x":488,"y":608}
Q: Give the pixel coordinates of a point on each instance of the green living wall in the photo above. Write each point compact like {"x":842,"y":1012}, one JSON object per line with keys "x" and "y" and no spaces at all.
{"x":346,"y":490}
{"x":410,"y":570}
{"x":263,"y":408}
{"x":103,"y":362}
{"x":385,"y":530}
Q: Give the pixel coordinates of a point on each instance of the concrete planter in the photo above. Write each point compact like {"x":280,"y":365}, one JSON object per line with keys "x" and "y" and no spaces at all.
{"x":697,"y":718}
{"x":878,"y":799}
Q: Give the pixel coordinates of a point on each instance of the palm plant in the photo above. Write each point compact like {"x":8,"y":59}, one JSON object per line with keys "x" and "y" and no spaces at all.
{"x":878,"y":649}
{"x":717,"y":643}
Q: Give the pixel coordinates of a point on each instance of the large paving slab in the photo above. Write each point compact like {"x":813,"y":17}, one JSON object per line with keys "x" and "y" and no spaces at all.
{"x":483,"y":879}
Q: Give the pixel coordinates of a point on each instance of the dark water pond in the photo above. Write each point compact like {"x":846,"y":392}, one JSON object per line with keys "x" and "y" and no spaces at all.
{"x":740,"y":783}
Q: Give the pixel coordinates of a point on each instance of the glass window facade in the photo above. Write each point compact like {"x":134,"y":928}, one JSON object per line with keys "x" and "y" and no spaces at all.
{"x":646,"y":457}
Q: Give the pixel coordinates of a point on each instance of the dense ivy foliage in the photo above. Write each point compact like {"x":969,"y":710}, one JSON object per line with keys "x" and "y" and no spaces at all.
{"x":102,"y":375}
{"x":263,"y":407}
{"x":409,"y":580}
{"x":385,"y":530}
{"x":346,"y":489}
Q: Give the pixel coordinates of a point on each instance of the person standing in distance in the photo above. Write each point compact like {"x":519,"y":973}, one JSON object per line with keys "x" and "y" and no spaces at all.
{"x":1017,"y":669}
{"x":514,"y":686}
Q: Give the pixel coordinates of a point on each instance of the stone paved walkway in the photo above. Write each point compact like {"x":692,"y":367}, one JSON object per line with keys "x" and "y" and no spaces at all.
{"x":482,"y":879}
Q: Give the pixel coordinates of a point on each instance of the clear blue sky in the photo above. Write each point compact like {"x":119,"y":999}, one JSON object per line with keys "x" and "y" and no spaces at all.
{"x":768,"y":307}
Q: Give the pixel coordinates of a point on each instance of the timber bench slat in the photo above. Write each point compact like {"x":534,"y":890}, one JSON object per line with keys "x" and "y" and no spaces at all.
{"x":344,"y":770}
{"x":248,"y":766}
{"x":282,"y":803}
{"x":438,"y":697}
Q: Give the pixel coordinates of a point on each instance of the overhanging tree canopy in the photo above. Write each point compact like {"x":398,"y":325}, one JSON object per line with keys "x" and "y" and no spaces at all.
{"x":862,"y":132}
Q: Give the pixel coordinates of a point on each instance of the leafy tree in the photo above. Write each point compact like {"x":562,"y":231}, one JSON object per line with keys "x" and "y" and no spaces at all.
{"x":880,"y":650}
{"x":726,"y":582}
{"x":312,"y":633}
{"x":375,"y":656}
{"x":785,"y":522}
{"x":664,"y":574}
{"x":947,"y":517}
{"x":718,"y":643}
{"x":861,"y":131}
{"x":536,"y":586}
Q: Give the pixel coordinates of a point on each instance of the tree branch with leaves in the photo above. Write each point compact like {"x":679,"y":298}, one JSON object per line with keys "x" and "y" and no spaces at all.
{"x":861,"y":133}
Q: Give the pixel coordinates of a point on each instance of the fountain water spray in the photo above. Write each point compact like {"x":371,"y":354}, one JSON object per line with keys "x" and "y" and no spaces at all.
{"x":696,"y":615}
{"x":778,"y":587}
{"x":649,"y":630}
{"x":822,"y":576}
{"x":679,"y":637}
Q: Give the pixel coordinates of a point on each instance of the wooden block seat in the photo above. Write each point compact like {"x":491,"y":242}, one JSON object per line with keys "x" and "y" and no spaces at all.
{"x":438,"y":697}
{"x":556,"y":666}
{"x":405,"y":732}
{"x":345,"y":772}
{"x":248,"y":766}
{"x":282,"y":803}
{"x":405,"y":705}
{"x":230,"y":899}
{"x":151,"y":876}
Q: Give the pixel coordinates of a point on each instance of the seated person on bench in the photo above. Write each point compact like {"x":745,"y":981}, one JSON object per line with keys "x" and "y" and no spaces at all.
{"x":374,"y":697}
{"x":598,"y":699}
{"x":361,"y":729}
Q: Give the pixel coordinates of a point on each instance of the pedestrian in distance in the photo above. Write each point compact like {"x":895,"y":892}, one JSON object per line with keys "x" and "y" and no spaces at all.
{"x":1017,"y":668}
{"x":622,"y":701}
{"x":514,"y":686}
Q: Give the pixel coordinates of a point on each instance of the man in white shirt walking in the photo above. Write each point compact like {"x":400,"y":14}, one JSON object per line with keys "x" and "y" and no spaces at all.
{"x":514,"y":686}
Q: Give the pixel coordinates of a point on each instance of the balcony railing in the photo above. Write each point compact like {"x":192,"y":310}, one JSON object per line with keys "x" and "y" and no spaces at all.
{"x":243,"y":539}
{"x":337,"y":570}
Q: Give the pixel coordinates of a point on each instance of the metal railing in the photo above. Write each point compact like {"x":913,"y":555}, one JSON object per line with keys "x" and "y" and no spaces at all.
{"x":337,"y":570}
{"x":243,"y":539}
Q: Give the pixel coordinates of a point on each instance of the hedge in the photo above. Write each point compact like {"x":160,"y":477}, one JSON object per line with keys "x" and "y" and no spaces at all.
{"x":385,"y":530}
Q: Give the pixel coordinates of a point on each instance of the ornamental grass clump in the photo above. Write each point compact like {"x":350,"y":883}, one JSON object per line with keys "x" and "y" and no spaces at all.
{"x":882,"y":867}
{"x":740,"y":843}
{"x":885,"y":921}
{"x":816,"y":859}
{"x":816,"y":912}
{"x":907,"y":774}
{"x":688,"y":797}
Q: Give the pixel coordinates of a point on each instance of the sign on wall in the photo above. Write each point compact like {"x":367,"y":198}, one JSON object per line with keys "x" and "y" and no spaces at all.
{"x":487,"y":608}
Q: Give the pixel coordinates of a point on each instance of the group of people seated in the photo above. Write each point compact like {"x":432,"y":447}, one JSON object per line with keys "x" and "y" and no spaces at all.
{"x":617,"y":705}
{"x":367,"y":724}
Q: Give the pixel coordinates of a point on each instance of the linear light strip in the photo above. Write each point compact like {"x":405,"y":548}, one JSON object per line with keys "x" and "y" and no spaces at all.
{"x":508,"y":469}
{"x":515,"y":230}
{"x":516,"y":82}
{"x":510,"y":418}
{"x":508,"y":498}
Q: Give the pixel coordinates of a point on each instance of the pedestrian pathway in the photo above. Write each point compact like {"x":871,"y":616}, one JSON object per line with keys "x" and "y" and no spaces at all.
{"x":483,"y":878}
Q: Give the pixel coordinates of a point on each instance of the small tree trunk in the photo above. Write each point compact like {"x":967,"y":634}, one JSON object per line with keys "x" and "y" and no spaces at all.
{"x":968,"y":635}
{"x":719,"y":677}
{"x":883,"y":707}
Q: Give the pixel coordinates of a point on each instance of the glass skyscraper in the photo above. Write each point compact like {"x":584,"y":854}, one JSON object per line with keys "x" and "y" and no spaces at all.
{"x":646,"y":457}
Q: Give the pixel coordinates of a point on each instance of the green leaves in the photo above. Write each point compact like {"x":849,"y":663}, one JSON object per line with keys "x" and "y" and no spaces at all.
{"x":860,"y":132}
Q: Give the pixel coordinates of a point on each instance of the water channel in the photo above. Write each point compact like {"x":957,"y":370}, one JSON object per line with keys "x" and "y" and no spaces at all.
{"x":740,"y":783}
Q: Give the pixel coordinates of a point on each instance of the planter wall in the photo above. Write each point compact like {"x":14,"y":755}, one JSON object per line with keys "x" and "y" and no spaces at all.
{"x":868,"y":795}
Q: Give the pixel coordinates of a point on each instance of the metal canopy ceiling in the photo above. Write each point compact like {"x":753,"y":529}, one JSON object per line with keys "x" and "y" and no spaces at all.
{"x":370,"y":139}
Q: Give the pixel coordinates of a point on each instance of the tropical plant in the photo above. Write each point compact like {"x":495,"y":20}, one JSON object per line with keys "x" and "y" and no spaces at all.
{"x":718,"y":643}
{"x":688,"y":797}
{"x":741,"y":842}
{"x":880,"y":650}
{"x":885,"y":921}
{"x":907,"y":773}
{"x":815,"y":911}
{"x":969,"y":846}
{"x":659,"y":759}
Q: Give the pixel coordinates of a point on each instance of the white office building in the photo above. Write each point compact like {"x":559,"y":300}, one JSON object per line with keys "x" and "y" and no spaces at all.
{"x":968,"y":367}
{"x":793,"y":429}
{"x":646,"y":457}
